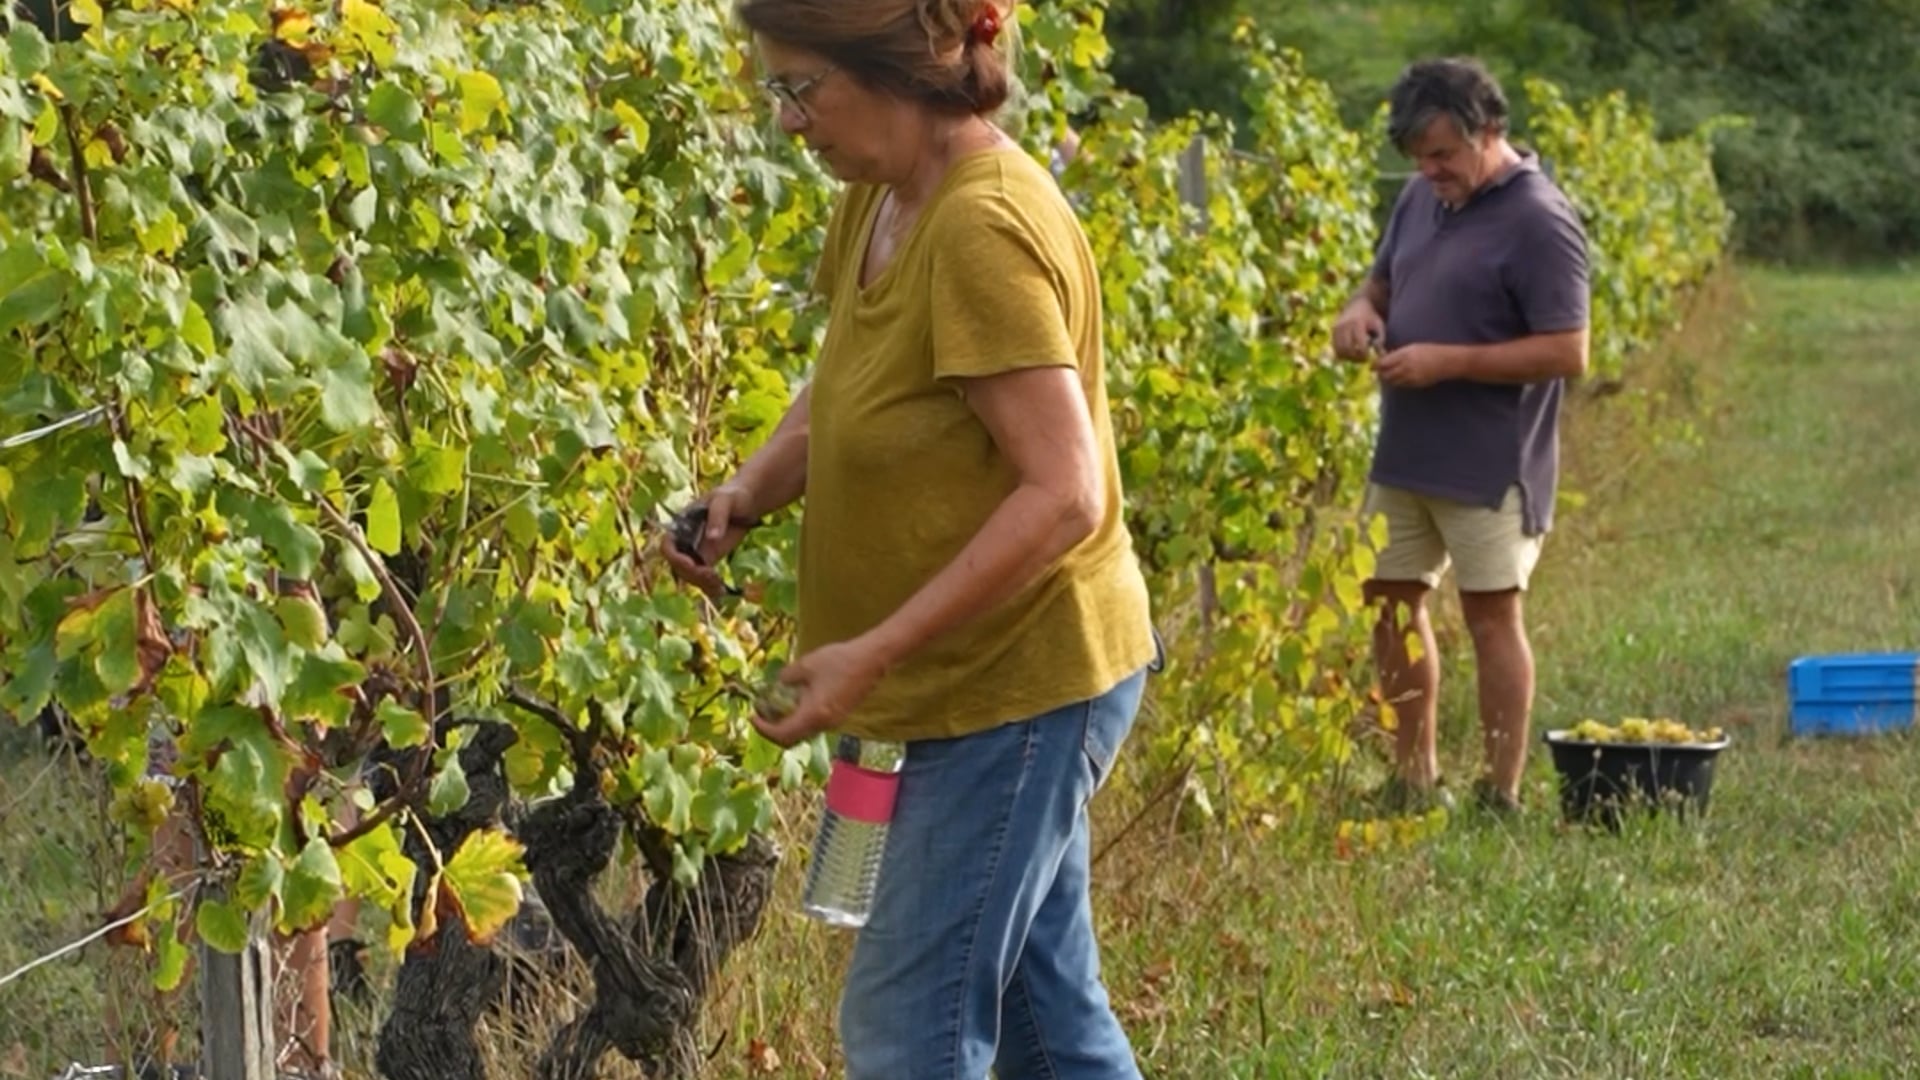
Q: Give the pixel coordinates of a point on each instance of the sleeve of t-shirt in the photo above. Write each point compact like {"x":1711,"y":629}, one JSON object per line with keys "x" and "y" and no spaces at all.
{"x":1550,"y":278}
{"x":826,"y":272}
{"x":999,"y":300}
{"x":1383,"y":252}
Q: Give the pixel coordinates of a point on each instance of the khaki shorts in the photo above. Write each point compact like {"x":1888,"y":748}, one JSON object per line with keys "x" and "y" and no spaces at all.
{"x":1489,"y":549}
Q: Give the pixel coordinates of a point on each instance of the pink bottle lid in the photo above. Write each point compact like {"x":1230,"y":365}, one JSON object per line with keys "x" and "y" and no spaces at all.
{"x":862,"y":794}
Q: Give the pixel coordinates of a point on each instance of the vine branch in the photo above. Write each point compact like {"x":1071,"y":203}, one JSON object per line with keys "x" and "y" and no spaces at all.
{"x":136,"y":499}
{"x":82,"y":184}
{"x":408,"y":795}
{"x":402,"y":611}
{"x":579,"y":742}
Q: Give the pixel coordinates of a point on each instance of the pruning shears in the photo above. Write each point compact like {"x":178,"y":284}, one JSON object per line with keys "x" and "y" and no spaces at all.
{"x":688,"y":527}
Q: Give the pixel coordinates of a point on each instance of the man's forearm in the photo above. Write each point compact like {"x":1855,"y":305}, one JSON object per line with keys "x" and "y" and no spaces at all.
{"x":1535,"y":358}
{"x":776,"y":474}
{"x":1375,"y":293}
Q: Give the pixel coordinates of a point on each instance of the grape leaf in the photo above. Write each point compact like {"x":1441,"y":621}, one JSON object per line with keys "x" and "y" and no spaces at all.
{"x":264,"y":645}
{"x":296,"y":545}
{"x":374,"y":867}
{"x":346,"y":394}
{"x":33,"y":301}
{"x":170,"y":955}
{"x":383,"y":519}
{"x":438,"y":470}
{"x":222,"y":925}
{"x":480,"y":97}
{"x":260,"y":881}
{"x":31,"y":50}
{"x":303,"y":620}
{"x":393,"y":107}
{"x":484,"y":877}
{"x":312,"y":887}
{"x":115,"y":636}
{"x":449,"y":791}
{"x":319,"y":690}
{"x":403,"y":727}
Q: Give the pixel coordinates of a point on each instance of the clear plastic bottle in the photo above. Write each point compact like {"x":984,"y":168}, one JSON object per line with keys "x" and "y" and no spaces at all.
{"x":853,"y":831}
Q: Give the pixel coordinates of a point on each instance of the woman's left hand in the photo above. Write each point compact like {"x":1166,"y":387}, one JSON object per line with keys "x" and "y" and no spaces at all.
{"x":832,"y":680}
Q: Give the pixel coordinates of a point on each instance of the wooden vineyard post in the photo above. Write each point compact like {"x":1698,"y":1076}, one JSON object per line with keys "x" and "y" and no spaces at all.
{"x":236,"y":1005}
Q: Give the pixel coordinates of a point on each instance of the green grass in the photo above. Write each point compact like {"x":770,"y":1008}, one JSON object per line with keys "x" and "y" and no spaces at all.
{"x":1790,"y":528}
{"x":59,"y":869}
{"x":1754,"y":496}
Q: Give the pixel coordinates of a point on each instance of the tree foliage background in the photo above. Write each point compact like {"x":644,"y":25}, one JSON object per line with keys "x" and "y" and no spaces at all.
{"x":1829,"y":86}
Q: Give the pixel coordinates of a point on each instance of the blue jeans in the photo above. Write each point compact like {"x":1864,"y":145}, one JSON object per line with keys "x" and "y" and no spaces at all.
{"x":979,"y":951}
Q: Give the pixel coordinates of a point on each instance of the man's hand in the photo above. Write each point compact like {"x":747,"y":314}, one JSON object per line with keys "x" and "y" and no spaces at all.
{"x":1415,"y":367}
{"x":833,"y":680}
{"x":728,"y":507}
{"x":1358,"y":328}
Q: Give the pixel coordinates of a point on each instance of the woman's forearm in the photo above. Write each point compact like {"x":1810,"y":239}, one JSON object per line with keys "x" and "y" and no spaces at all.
{"x":1026,"y":536}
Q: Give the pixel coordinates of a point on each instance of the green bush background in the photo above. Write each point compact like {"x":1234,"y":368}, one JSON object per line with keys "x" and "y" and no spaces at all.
{"x":1821,"y":170}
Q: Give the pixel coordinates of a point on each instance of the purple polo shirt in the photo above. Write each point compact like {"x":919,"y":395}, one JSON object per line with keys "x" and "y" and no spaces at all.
{"x":1510,"y":263}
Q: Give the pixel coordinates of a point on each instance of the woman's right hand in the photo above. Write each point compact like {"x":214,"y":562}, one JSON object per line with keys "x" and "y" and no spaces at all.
{"x":729,"y":515}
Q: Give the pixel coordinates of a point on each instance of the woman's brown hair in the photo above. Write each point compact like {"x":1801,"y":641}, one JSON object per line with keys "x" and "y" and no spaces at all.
{"x":930,"y":51}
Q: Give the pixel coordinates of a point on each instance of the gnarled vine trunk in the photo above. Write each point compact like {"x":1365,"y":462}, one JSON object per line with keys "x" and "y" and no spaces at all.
{"x":446,"y":983}
{"x":652,"y":967}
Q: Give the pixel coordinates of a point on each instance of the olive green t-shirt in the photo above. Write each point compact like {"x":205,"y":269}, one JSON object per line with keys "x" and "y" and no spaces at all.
{"x":995,"y":276}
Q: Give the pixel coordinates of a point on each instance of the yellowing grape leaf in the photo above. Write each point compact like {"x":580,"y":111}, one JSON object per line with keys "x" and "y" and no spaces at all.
{"x":170,"y":953}
{"x":480,"y":97}
{"x":634,"y":124}
{"x":484,"y":878}
{"x":374,"y":867}
{"x":291,"y":24}
{"x":383,"y":519}
{"x":369,"y":28}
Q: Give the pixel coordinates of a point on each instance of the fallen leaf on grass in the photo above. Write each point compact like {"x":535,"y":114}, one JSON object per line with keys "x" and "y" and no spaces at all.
{"x":1391,"y":995}
{"x":1158,"y":973}
{"x":762,"y":1058}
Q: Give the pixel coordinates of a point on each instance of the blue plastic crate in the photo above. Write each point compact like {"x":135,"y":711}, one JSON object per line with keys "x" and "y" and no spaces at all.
{"x":1852,"y":694}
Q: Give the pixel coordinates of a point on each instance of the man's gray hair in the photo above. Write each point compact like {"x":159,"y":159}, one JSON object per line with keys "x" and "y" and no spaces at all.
{"x":1460,"y":88}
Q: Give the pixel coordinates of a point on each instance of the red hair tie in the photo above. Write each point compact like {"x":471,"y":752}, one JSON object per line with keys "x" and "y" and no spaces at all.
{"x":986,"y":25}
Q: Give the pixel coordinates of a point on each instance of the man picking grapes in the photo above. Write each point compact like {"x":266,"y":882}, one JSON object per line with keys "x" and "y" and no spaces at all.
{"x":1473,"y":316}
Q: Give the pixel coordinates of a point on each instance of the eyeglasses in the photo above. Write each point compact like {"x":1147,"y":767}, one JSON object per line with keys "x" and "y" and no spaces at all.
{"x":785,"y":93}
